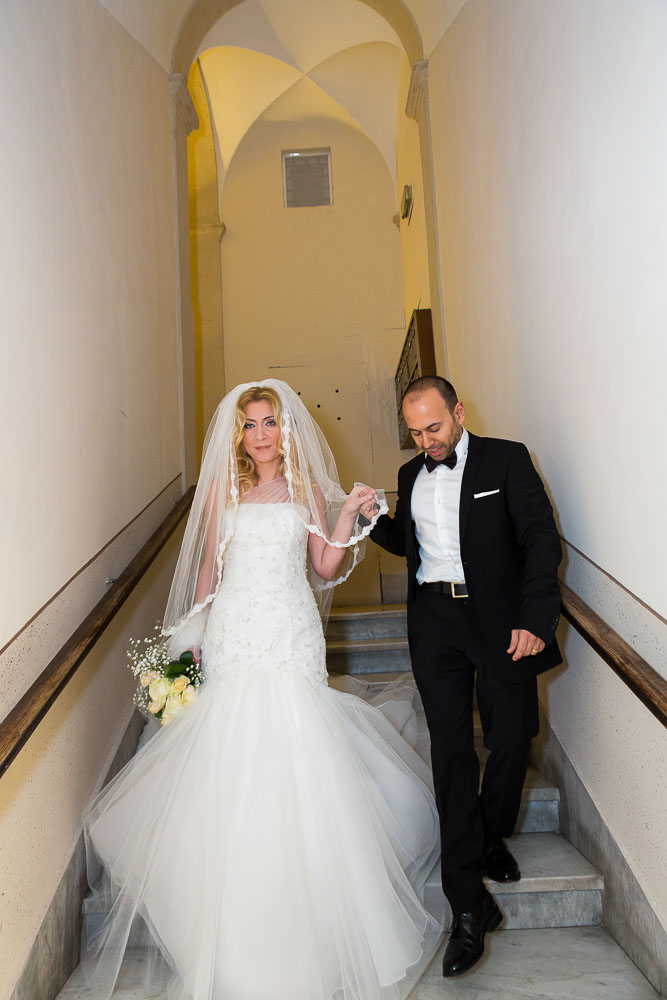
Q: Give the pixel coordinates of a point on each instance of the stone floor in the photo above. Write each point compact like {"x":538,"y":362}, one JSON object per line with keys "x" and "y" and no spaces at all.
{"x":566,"y":963}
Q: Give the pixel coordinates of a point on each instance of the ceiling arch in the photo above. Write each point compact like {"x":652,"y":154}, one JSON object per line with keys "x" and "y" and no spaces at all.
{"x":357,"y":85}
{"x":301,"y":35}
{"x":204,"y":14}
{"x":156,"y":24}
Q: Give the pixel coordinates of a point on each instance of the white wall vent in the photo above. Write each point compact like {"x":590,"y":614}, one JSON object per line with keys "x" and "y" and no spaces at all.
{"x":307,"y":177}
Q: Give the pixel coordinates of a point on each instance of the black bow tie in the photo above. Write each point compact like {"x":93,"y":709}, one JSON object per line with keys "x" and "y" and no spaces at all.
{"x":432,"y":464}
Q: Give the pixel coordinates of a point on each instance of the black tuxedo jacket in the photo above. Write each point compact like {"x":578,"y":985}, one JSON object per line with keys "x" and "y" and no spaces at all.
{"x":510,"y":550}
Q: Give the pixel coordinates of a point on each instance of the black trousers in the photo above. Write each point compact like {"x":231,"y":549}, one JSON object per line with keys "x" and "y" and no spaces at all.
{"x":447,"y":662}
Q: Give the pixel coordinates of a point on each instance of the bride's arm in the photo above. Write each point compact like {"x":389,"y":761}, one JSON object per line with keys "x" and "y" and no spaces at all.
{"x":327,"y":558}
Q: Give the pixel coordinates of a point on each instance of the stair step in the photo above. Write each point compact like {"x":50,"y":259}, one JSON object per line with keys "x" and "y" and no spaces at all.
{"x":565,"y":963}
{"x":558,"y":886}
{"x":367,"y":611}
{"x":540,"y":800}
{"x":540,"y":805}
{"x":549,"y":863}
{"x":376,"y":645}
{"x":361,"y":655}
{"x":131,"y":980}
{"x":367,"y":621}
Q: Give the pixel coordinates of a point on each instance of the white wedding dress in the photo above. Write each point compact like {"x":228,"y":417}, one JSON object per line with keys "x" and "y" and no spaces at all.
{"x":275,"y":840}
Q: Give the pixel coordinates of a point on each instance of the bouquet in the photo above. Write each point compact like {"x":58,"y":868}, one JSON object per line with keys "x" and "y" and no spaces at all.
{"x":166,"y":686}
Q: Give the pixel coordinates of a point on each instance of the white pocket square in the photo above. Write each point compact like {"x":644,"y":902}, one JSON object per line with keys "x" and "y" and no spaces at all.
{"x":489,"y":493}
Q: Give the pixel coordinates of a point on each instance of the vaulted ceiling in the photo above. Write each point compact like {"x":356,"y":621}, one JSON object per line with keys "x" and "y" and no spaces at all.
{"x":294,"y":60}
{"x":156,"y":23}
{"x":259,"y":63}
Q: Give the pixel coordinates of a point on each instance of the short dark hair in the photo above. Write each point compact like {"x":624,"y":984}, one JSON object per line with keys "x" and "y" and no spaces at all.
{"x":441,"y":385}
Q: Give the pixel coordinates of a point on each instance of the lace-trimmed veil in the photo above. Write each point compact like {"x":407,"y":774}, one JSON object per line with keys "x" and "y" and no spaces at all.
{"x":313,"y":487}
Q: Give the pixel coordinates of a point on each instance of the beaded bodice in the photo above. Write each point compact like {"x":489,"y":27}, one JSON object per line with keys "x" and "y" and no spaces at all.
{"x":265,"y":615}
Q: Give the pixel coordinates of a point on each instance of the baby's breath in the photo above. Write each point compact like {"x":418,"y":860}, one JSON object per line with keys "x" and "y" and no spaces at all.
{"x":148,"y":659}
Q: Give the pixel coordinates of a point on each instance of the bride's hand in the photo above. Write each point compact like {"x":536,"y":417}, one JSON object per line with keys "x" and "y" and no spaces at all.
{"x":362,"y":500}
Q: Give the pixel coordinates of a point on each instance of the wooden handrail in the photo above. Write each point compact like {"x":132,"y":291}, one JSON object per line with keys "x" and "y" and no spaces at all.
{"x":649,"y":686}
{"x":26,"y":715}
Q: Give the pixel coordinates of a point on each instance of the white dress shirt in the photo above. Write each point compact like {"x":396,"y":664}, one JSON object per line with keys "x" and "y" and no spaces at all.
{"x":435,"y":511}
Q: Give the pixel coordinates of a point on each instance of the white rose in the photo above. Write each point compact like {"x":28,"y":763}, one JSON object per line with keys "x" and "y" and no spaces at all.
{"x":179,"y":685}
{"x":159,"y":689}
{"x":173,"y":708}
{"x":188,"y":695}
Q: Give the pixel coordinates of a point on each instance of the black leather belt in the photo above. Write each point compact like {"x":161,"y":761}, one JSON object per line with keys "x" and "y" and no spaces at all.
{"x":444,"y":588}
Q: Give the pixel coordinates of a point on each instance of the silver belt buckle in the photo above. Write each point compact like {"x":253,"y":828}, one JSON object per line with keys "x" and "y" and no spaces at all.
{"x":453,"y":587}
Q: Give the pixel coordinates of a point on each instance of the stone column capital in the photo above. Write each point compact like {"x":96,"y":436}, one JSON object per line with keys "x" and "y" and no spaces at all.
{"x":184,"y":108}
{"x":214,"y":229}
{"x":418,"y":89}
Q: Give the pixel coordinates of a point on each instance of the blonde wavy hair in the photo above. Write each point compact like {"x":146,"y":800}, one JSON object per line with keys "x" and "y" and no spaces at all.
{"x":247,"y":473}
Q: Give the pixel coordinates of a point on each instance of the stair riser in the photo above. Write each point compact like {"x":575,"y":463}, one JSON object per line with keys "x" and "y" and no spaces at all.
{"x":139,"y":936}
{"x":527,"y":910}
{"x":522,"y":910}
{"x":538,"y":816}
{"x":570,"y":908}
{"x":367,"y":628}
{"x":362,"y":662}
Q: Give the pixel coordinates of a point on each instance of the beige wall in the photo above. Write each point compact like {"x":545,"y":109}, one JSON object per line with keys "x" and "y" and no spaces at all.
{"x":89,"y":412}
{"x":550,"y":157}
{"x":89,"y":407}
{"x":414,"y":254}
{"x":321,"y":289}
{"x":316,"y":286}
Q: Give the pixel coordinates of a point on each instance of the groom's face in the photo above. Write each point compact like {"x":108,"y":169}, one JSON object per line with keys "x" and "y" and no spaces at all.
{"x":434,"y":427}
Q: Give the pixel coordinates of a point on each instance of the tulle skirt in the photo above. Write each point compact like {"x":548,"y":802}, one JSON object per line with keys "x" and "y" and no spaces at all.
{"x":273,"y":843}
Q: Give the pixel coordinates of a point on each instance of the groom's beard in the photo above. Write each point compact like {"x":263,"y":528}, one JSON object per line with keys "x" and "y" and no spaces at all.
{"x":443,"y":448}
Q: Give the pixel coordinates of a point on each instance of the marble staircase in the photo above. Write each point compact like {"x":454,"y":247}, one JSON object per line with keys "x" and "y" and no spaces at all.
{"x":558,"y":901}
{"x":552,"y":945}
{"x":367,"y":640}
{"x":558,"y":887}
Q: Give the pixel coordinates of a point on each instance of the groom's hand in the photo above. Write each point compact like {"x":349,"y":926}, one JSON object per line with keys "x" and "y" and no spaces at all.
{"x":362,"y":500}
{"x":524,"y":643}
{"x":368,"y":509}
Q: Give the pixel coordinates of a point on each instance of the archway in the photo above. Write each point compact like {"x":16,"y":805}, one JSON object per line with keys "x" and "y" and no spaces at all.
{"x":204,"y":13}
{"x":201,"y":20}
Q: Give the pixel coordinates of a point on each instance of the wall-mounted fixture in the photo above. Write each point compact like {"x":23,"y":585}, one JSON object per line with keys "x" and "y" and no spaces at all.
{"x":417,"y":358}
{"x":406,"y":202}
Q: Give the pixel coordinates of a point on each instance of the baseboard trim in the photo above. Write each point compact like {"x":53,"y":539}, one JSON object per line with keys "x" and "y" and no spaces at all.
{"x":626,"y":912}
{"x":56,"y":950}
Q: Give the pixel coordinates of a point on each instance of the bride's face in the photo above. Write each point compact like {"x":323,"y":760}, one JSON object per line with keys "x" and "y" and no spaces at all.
{"x":261,"y":432}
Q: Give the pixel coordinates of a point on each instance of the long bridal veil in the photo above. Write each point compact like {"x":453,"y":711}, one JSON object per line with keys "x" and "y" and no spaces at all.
{"x":314,"y":490}
{"x":278,"y":839}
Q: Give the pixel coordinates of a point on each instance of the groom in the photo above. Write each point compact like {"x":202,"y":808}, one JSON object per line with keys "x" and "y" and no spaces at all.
{"x":477,"y":530}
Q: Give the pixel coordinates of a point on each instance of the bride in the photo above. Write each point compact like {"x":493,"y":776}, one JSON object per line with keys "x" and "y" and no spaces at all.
{"x":273,"y":842}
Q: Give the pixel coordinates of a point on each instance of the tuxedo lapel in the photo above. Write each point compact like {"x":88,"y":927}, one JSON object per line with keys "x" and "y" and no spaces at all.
{"x":468,"y":482}
{"x":412,"y":470}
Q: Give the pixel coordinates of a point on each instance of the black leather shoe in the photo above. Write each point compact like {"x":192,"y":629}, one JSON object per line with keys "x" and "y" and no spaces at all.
{"x":499,"y":863}
{"x":466,"y":941}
